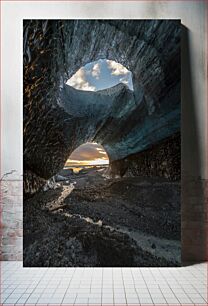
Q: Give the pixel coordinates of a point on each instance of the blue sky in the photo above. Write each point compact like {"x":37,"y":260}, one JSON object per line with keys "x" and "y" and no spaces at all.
{"x":100,"y":75}
{"x":96,"y":76}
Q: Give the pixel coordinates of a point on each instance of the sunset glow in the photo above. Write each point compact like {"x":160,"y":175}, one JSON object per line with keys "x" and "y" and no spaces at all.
{"x":88,"y":154}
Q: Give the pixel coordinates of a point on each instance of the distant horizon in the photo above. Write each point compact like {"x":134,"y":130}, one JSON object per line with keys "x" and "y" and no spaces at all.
{"x":78,"y":166}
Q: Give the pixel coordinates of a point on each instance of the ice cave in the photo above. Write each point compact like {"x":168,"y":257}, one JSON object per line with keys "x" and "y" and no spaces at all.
{"x":58,"y":118}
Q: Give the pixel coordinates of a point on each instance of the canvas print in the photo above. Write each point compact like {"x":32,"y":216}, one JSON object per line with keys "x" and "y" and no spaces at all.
{"x":102,"y":145}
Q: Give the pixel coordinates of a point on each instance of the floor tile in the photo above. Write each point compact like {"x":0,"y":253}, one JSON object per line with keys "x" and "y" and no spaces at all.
{"x":127,"y":286}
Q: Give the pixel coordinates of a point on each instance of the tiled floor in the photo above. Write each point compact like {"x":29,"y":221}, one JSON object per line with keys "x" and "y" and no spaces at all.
{"x":114,"y":286}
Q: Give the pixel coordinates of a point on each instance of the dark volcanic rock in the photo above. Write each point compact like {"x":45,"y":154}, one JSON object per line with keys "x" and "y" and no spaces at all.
{"x":58,"y":118}
{"x":162,"y":159}
{"x":125,"y":222}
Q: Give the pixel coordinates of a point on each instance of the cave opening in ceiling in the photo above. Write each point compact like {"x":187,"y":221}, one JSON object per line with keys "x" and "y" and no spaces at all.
{"x":99,"y":75}
{"x":87,"y":155}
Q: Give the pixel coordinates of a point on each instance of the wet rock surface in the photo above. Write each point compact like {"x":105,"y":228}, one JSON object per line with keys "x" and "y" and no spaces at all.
{"x":102,"y":222}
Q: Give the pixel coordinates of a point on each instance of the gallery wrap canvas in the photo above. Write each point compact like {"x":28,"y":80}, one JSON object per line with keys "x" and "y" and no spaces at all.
{"x":102,"y":143}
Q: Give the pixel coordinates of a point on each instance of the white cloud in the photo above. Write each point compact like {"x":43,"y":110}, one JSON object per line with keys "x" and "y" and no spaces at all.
{"x":82,"y":79}
{"x":116,"y":68}
{"x":102,"y":152}
{"x":124,"y":81}
{"x":96,"y":71}
{"x":78,"y":81}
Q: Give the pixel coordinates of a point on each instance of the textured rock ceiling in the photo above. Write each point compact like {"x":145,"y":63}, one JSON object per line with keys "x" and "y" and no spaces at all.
{"x":59,"y":118}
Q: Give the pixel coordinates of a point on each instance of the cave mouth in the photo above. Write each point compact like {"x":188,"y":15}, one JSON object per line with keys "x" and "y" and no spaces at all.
{"x":86,"y":156}
{"x":99,"y":75}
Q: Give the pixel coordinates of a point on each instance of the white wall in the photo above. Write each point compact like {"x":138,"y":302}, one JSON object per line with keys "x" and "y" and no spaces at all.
{"x":192,"y":15}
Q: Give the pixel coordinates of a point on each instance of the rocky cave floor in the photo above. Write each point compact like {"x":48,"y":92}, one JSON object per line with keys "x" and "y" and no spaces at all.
{"x":122,"y":222}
